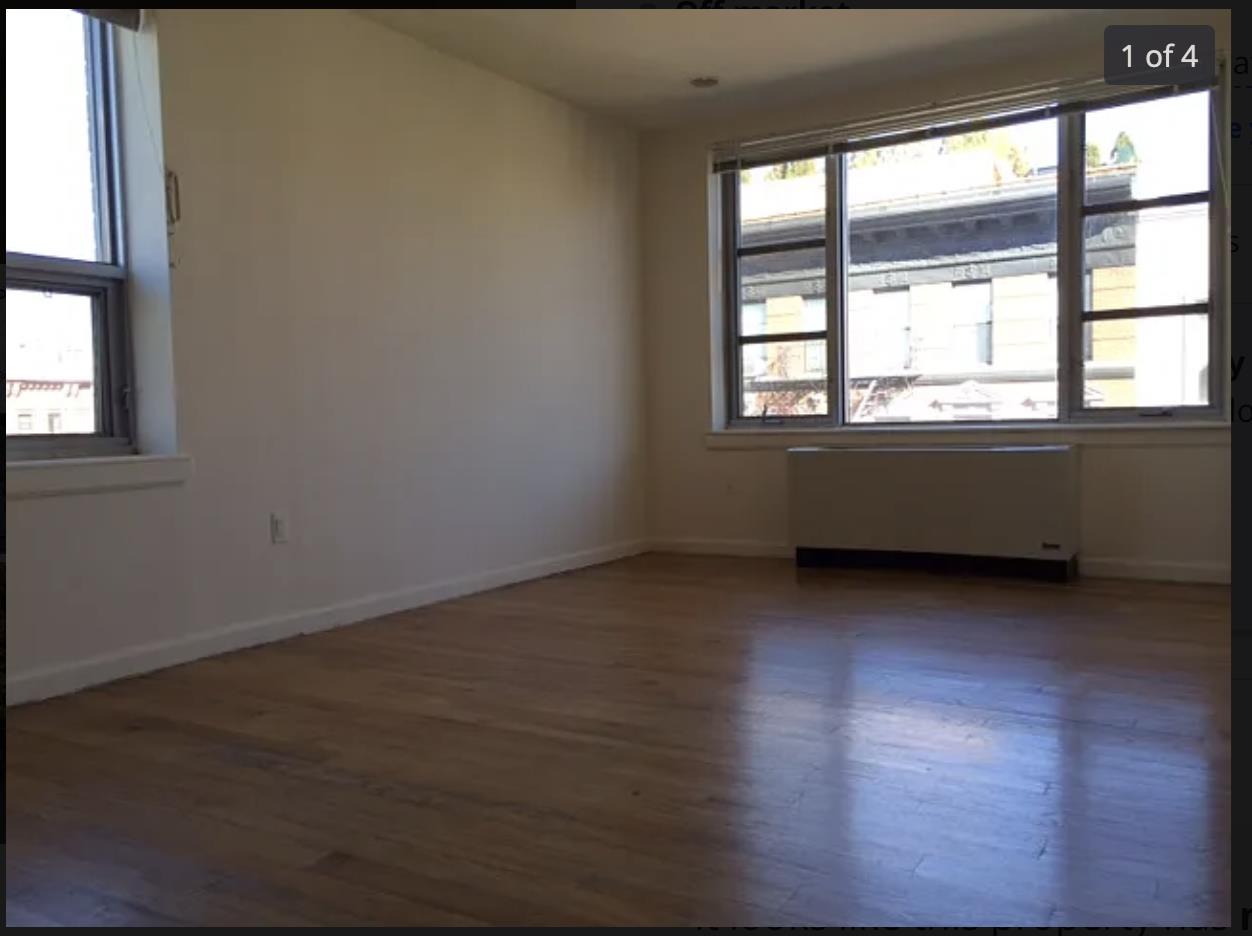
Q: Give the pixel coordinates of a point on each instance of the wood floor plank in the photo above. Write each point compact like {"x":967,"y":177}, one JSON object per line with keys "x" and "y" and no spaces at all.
{"x":659,"y":740}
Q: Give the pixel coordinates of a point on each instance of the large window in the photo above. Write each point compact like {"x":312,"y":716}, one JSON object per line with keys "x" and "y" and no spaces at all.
{"x":1038,"y":268}
{"x":66,"y":367}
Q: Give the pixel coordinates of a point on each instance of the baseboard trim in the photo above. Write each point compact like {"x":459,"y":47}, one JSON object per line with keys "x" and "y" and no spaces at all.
{"x":723,"y":547}
{"x":1155,"y":570}
{"x":57,"y":680}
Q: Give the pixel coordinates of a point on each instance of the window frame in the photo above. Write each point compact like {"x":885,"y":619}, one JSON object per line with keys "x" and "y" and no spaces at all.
{"x":103,"y":280}
{"x":1072,"y":211}
{"x":1074,"y":148}
{"x":736,"y":341}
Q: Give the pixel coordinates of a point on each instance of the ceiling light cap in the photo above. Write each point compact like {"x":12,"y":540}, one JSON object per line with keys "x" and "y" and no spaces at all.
{"x":705,"y":81}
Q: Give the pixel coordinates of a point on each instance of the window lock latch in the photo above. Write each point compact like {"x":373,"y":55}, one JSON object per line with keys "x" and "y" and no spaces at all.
{"x":173,"y":199}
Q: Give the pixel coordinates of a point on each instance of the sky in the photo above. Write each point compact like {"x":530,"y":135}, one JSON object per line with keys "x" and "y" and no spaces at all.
{"x":47,"y":164}
{"x":48,"y":189}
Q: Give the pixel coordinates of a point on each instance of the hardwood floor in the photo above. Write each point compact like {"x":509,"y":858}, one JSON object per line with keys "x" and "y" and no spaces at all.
{"x":660,"y":740}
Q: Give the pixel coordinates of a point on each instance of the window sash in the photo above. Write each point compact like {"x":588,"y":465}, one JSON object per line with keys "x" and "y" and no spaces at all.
{"x":110,"y":341}
{"x":105,"y":147}
{"x":1072,"y":315}
{"x":735,"y":340}
{"x":103,"y":280}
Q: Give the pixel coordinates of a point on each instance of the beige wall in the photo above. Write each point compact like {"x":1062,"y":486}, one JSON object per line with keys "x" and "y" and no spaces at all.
{"x":405,"y":314}
{"x":1154,"y":504}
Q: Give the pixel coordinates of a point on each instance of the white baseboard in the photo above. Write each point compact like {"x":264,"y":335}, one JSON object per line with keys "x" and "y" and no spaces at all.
{"x":1155,"y":570}
{"x":69,"y":677}
{"x":723,"y":547}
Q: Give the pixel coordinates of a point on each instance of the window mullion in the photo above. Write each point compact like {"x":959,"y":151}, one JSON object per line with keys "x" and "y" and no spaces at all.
{"x":772,"y":337}
{"x":1145,"y":204}
{"x":781,"y":247}
{"x":100,"y":345}
{"x":730,"y":243}
{"x":1219,"y":243}
{"x":119,"y":364}
{"x":836,"y":287}
{"x":1070,"y":183}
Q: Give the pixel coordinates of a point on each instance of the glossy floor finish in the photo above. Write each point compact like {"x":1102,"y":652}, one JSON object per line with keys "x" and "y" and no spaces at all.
{"x":659,"y":740}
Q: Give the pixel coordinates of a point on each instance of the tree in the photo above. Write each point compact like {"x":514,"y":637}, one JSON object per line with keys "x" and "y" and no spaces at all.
{"x":999,"y":142}
{"x":863,"y":159}
{"x":884,"y":155}
{"x":782,"y":400}
{"x":1093,"y":156}
{"x":791,"y":170}
{"x":977,"y":139}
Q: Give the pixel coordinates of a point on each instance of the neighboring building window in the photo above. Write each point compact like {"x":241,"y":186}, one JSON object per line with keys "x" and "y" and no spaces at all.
{"x":972,"y":322}
{"x":66,"y":352}
{"x":25,"y":422}
{"x":951,"y":273}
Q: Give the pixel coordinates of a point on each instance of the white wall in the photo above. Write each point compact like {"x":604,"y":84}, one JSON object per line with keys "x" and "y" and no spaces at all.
{"x":1154,"y":504}
{"x":404,"y":312}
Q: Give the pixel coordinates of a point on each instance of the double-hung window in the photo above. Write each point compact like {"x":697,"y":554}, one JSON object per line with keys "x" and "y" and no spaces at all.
{"x":66,"y":344}
{"x":1055,"y":260}
{"x":1151,"y":259}
{"x":776,"y":215}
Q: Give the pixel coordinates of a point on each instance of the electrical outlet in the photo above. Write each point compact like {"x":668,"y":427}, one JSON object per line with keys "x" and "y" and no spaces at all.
{"x":278,"y":529}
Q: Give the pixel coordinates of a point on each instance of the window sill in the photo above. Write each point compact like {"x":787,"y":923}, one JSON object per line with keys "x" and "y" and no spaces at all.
{"x":66,"y":476}
{"x":1136,"y":435}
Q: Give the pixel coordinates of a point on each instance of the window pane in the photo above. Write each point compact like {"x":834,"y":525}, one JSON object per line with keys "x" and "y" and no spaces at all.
{"x":1138,"y":259}
{"x":879,"y":333}
{"x":1156,"y":361}
{"x":782,"y":292}
{"x":785,"y":378}
{"x":49,"y":371}
{"x":952,"y":302}
{"x":782,"y":202}
{"x":1148,"y":150}
{"x":49,"y":183}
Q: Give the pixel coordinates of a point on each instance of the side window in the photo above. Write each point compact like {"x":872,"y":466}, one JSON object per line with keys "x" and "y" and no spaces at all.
{"x":66,"y":344}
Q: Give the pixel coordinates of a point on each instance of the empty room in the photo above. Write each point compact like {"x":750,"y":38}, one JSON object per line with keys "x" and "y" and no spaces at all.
{"x":762,"y":467}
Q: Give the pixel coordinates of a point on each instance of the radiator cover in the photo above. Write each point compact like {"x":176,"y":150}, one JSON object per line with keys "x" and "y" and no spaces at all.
{"x":1016,"y":502}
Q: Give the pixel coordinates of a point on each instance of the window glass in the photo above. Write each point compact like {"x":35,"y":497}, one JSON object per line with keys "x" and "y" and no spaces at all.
{"x":1155,"y":361}
{"x":783,"y":202}
{"x":50,"y":199}
{"x":782,"y":292}
{"x":49,"y":363}
{"x":951,"y":309}
{"x":1148,"y":150}
{"x":1154,"y":257}
{"x":783,"y":378}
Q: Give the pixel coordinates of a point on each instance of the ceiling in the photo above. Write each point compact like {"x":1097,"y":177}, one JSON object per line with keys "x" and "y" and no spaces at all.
{"x":636,"y":65}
